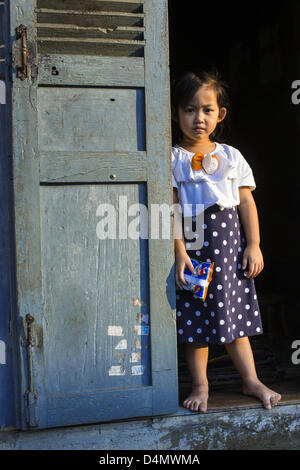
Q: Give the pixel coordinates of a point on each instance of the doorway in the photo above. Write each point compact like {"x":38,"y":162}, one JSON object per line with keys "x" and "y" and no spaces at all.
{"x":255,"y":50}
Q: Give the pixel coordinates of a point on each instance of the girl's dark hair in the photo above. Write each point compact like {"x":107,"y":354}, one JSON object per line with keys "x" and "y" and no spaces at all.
{"x":183,"y":90}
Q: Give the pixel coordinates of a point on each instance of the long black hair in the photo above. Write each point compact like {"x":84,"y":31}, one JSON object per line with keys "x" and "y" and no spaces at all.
{"x":183,"y":90}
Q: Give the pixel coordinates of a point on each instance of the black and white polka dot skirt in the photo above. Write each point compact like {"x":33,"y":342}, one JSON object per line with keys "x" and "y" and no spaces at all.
{"x":231,"y":308}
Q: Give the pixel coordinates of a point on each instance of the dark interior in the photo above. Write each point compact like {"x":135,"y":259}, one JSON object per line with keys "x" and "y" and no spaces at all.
{"x":255,"y":49}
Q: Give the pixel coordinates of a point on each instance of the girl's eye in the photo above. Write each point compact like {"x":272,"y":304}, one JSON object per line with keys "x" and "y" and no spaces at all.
{"x":189,"y":110}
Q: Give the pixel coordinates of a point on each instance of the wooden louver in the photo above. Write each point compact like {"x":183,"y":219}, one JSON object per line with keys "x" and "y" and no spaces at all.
{"x":90,"y":27}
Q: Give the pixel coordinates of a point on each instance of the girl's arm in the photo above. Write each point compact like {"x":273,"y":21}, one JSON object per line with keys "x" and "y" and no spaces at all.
{"x":182,"y":259}
{"x":249,"y":218}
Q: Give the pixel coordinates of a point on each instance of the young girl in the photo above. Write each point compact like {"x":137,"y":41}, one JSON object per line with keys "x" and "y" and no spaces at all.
{"x":222,"y":184}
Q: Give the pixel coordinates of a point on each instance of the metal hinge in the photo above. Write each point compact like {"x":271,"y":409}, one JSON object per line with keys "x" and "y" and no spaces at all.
{"x":22,"y":70}
{"x":25,"y":54}
{"x":31,"y":397}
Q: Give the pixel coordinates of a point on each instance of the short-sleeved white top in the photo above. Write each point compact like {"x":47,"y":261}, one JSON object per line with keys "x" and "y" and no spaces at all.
{"x":198,"y":187}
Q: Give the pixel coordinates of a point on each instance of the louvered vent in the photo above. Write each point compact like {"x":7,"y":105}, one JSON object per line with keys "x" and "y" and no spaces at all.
{"x":90,"y":27}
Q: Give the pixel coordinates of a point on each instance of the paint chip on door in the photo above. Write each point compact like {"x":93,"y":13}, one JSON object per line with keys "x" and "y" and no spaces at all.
{"x":135,"y":357}
{"x":141,"y":329}
{"x":114,"y":330}
{"x":137,"y":370}
{"x":122,"y":344}
{"x":116,"y":370}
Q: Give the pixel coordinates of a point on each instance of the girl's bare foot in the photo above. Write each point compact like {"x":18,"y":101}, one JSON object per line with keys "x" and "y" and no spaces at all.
{"x":197,"y":400}
{"x":257,"y":389}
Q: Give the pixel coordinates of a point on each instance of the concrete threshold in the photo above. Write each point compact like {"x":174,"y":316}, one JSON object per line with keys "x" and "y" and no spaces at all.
{"x":236,"y":426}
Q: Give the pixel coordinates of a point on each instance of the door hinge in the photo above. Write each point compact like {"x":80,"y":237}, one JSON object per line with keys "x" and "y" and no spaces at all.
{"x":22,"y":69}
{"x":31,"y":397}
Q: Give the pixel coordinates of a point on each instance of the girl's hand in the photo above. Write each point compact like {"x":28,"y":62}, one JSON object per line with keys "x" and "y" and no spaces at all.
{"x":253,"y":257}
{"x":182,"y":262}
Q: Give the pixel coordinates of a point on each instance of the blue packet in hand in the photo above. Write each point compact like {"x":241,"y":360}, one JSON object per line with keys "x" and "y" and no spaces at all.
{"x":198,"y":283}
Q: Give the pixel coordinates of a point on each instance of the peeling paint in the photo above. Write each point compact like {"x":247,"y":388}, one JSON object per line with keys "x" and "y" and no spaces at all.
{"x":135,"y":357}
{"x":137,"y":370}
{"x":121,"y":344}
{"x":141,"y":329}
{"x":136,"y":302}
{"x":116,"y":370}
{"x":119,"y":357}
{"x":114,"y":330}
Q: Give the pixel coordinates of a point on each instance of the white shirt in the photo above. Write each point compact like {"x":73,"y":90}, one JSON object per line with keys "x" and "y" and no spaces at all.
{"x":198,"y":187}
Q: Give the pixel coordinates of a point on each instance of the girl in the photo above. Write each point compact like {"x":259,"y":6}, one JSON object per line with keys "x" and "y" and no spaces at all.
{"x":222,"y":184}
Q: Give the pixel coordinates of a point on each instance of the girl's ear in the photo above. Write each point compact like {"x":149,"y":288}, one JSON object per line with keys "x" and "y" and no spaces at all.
{"x":222,"y":114}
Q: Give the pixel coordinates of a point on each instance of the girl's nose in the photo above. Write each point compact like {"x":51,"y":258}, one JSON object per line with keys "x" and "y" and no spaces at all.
{"x":199,"y":116}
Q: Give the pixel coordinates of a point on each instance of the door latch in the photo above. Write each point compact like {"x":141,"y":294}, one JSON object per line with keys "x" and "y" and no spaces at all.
{"x":29,"y":319}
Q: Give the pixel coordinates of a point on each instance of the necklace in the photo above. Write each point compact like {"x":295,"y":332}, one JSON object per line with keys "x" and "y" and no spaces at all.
{"x":208,"y":163}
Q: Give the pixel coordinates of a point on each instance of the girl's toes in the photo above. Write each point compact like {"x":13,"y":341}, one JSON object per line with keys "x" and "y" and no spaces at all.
{"x":195,"y":406}
{"x":203,"y":407}
{"x":267,"y":404}
{"x":275,"y":399}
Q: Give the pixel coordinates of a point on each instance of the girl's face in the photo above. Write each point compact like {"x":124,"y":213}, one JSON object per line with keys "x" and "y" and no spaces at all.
{"x":200,"y":117}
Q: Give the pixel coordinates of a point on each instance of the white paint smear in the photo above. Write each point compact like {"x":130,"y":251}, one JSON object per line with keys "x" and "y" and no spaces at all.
{"x":122,"y":344}
{"x":137,"y":343}
{"x":141,"y":329}
{"x":2,"y":353}
{"x":137,"y":370}
{"x":145,"y":318}
{"x":135,"y":357}
{"x":116,"y":370}
{"x":114,"y":330}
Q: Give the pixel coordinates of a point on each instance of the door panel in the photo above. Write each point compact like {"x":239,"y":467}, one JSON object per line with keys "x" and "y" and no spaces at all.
{"x":90,"y":292}
{"x":91,"y":119}
{"x":92,"y":131}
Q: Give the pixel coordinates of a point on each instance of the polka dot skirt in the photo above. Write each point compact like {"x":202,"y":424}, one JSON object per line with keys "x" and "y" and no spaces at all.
{"x":231,"y":308}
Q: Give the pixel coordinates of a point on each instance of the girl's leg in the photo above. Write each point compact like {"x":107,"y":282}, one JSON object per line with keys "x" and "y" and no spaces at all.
{"x":241,"y":354}
{"x":196,"y":356}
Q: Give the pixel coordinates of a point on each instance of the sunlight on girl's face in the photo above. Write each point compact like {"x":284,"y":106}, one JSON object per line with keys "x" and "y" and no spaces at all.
{"x":200,"y":117}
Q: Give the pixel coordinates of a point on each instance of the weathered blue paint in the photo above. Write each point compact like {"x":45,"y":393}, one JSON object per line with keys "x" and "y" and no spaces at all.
{"x":104,"y":322}
{"x":7,"y":406}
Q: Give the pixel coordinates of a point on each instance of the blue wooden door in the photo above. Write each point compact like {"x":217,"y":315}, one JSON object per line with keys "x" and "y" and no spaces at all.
{"x":95,"y":313}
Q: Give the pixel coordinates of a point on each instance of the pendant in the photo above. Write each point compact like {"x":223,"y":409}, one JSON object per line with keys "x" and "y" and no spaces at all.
{"x":210,"y":164}
{"x":196,"y":161}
